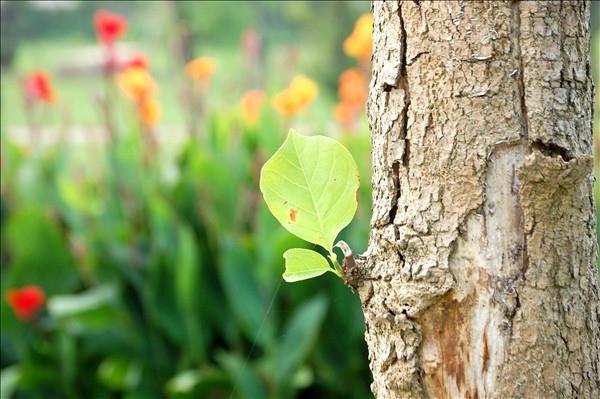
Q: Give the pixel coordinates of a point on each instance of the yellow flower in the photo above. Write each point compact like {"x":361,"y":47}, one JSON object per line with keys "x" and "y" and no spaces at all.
{"x":301,"y":92}
{"x":137,"y":84}
{"x":305,"y":89}
{"x":201,"y":68}
{"x":360,"y":41}
{"x":251,"y":103}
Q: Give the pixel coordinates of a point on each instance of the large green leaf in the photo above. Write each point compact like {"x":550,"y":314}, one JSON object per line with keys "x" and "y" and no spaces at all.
{"x":301,"y":264}
{"x":311,"y":187}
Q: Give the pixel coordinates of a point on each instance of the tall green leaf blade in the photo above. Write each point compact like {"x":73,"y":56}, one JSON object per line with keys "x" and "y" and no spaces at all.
{"x":298,"y":340}
{"x":311,"y":187}
{"x":187,"y":275}
{"x":302,"y":264}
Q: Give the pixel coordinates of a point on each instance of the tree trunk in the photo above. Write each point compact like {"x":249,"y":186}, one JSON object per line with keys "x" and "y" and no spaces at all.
{"x":480,"y":278}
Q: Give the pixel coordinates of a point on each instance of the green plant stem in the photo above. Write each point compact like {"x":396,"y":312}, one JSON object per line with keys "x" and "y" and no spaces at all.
{"x":337,"y":269}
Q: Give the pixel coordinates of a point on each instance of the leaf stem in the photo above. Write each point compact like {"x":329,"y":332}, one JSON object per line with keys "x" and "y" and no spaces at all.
{"x":337,"y":269}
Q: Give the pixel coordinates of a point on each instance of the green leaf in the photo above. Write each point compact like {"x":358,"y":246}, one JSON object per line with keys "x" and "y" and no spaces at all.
{"x":302,"y":264}
{"x":311,"y":185}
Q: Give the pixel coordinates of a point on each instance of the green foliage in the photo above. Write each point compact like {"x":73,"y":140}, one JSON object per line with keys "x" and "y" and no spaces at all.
{"x":162,"y":269}
{"x":167,"y":285}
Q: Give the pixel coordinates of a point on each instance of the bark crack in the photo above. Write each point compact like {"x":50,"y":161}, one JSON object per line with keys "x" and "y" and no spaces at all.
{"x":519,"y":81}
{"x":404,"y":86}
{"x":520,"y":89}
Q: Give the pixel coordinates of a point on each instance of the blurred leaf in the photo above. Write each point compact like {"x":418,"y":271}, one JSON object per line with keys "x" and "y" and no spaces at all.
{"x":299,"y":336}
{"x":187,"y":268}
{"x":76,"y":198}
{"x":162,"y":300}
{"x":184,"y":382}
{"x":89,"y":310}
{"x":311,"y":186}
{"x":197,"y":383}
{"x":303,"y":378}
{"x":302,"y":264}
{"x":119,"y":373}
{"x":242,"y":291}
{"x":163,"y":225}
{"x":187,"y":273}
{"x":245,"y":381}
{"x":219,"y":192}
{"x":68,"y":357}
{"x":9,"y":378}
{"x":39,"y":254}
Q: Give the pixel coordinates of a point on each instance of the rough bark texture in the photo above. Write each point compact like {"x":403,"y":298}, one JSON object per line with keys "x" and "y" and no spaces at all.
{"x":480,"y":277}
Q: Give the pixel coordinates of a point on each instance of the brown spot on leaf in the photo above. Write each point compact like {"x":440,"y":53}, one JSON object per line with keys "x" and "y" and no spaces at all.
{"x":293,"y":213}
{"x":356,"y":195}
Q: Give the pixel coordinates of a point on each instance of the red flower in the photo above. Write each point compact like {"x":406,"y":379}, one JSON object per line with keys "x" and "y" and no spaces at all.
{"x":137,"y":61}
{"x":109,"y":27}
{"x":26,"y":301}
{"x":38,"y":86}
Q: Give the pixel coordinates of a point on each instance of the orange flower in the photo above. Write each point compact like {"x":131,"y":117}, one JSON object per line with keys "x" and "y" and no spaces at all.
{"x":38,"y":86}
{"x":286,"y":103}
{"x":353,"y":87}
{"x":26,"y":301}
{"x":301,"y":92}
{"x":251,"y":104}
{"x":360,"y":42}
{"x":149,"y":110}
{"x":137,"y":84}
{"x":201,"y":68}
{"x":345,"y":113}
{"x":109,"y":27}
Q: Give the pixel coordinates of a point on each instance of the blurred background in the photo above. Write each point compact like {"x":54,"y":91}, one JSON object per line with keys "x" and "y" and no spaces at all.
{"x":138,"y":257}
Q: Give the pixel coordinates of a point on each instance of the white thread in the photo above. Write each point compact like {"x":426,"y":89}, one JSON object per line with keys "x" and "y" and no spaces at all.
{"x":255,"y":340}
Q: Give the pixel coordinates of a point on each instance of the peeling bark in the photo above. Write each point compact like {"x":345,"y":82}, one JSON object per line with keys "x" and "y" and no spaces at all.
{"x":480,"y":277}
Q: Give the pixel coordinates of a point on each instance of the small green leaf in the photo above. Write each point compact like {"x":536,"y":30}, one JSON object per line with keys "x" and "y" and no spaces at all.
{"x":302,"y":264}
{"x":311,"y":187}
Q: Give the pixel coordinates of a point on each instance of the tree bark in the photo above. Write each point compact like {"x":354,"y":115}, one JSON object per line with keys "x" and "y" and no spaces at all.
{"x":480,"y":277}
